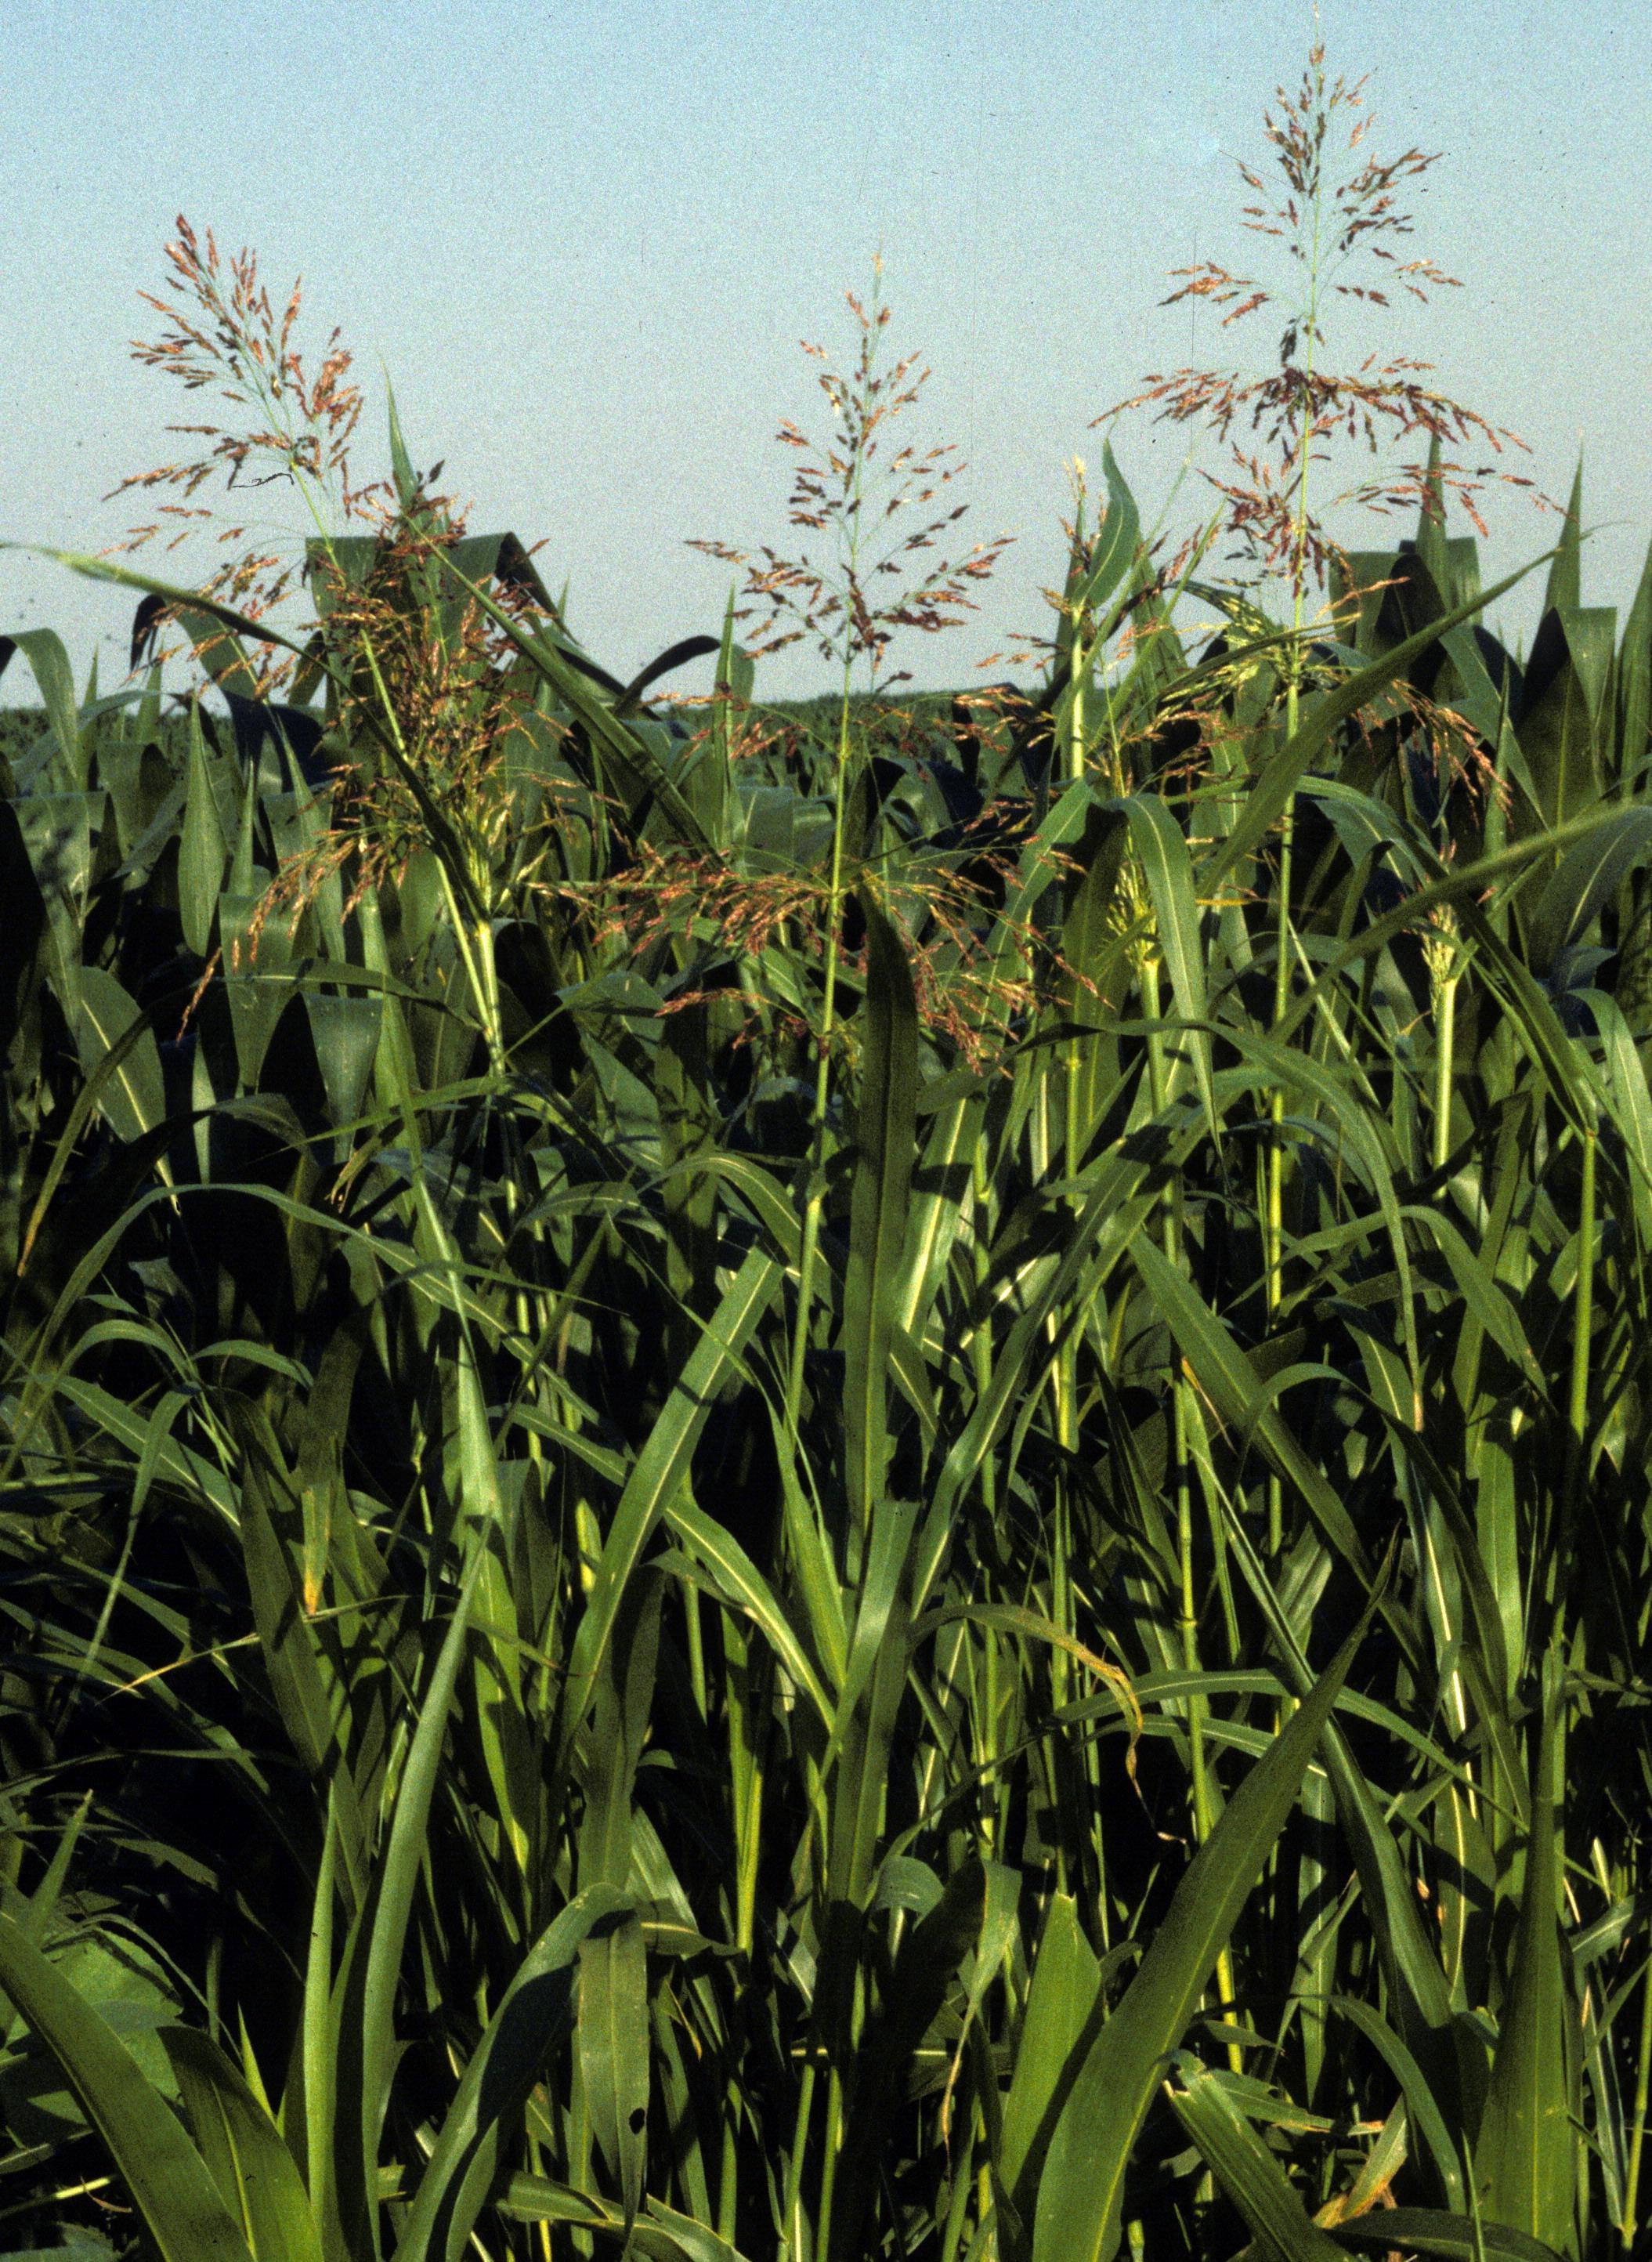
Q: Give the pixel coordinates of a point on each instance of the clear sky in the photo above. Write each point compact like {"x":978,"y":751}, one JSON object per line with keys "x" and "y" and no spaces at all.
{"x":586,"y":239}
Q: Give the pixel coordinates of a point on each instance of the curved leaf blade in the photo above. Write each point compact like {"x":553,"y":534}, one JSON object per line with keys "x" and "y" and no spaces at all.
{"x":161,"y":2168}
{"x":256,"y":2175}
{"x":1081,"y":2190}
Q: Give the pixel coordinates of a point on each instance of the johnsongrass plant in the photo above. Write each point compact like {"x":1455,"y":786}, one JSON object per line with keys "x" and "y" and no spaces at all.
{"x":701,"y":1556}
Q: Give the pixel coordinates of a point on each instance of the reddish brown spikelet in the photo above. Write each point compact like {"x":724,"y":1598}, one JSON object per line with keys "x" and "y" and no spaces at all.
{"x":1278,"y":425}
{"x":222,"y":331}
{"x":842,"y":489}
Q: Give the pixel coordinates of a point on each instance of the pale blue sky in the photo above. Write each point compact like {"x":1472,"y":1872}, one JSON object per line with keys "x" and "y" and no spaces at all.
{"x":585,"y":241}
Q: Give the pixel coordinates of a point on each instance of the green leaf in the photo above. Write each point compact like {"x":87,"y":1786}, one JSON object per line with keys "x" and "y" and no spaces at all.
{"x":292,"y":1659}
{"x":1422,"y":2107}
{"x":663,"y":664}
{"x":1248,"y":2173}
{"x":1227,"y":1375}
{"x":613,"y":2048}
{"x":623,"y":746}
{"x":43,"y":649}
{"x":1525,"y":2157}
{"x":1419,"y":1994}
{"x":659,"y":2234}
{"x":1271,"y":793}
{"x":132,"y":1093}
{"x":124,"y":577}
{"x":405,"y":1855}
{"x":203,"y":847}
{"x":1093,"y":949}
{"x":57,"y":829}
{"x":81,"y":2245}
{"x":534,"y":2014}
{"x":1163,"y":853}
{"x":87,"y":1099}
{"x":400,"y":463}
{"x":885,"y":1125}
{"x":875,"y":1681}
{"x":215,"y":647}
{"x":619,"y":1720}
{"x":1081,"y":2190}
{"x":1116,"y":539}
{"x":1589,"y":878}
{"x":971,"y":1913}
{"x":939,"y":1182}
{"x":709,"y":782}
{"x":161,"y":2168}
{"x":1559,"y":723}
{"x":1061,"y":2004}
{"x":1633,"y":685}
{"x":742,"y":1587}
{"x":257,"y":2177}
{"x":1453,"y":2237}
{"x":345,"y":1031}
{"x":659,"y":1469}
{"x":257,"y":955}
{"x":1565,"y":584}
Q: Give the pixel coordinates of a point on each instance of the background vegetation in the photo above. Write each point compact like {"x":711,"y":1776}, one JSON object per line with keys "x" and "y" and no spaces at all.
{"x":859,"y":1482}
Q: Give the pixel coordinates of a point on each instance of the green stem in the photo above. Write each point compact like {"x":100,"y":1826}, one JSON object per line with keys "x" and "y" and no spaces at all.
{"x":1170,"y":1229}
{"x":475,"y":939}
{"x":793,"y":2233}
{"x":1583,"y":1316}
{"x":815,"y":1203}
{"x":957,"y":2207}
{"x":745,"y":1768}
{"x":828,"y":2165}
{"x":1642,"y":2096}
{"x":981,"y":1342}
{"x":1273,"y":1227}
{"x":1446,"y":1044}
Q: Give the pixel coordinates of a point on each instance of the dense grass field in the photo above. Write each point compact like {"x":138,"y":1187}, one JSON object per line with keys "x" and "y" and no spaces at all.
{"x":850,"y":1479}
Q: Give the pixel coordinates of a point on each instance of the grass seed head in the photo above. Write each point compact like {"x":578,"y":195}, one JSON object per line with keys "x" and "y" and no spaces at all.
{"x":1280,"y":425}
{"x":861,"y":492}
